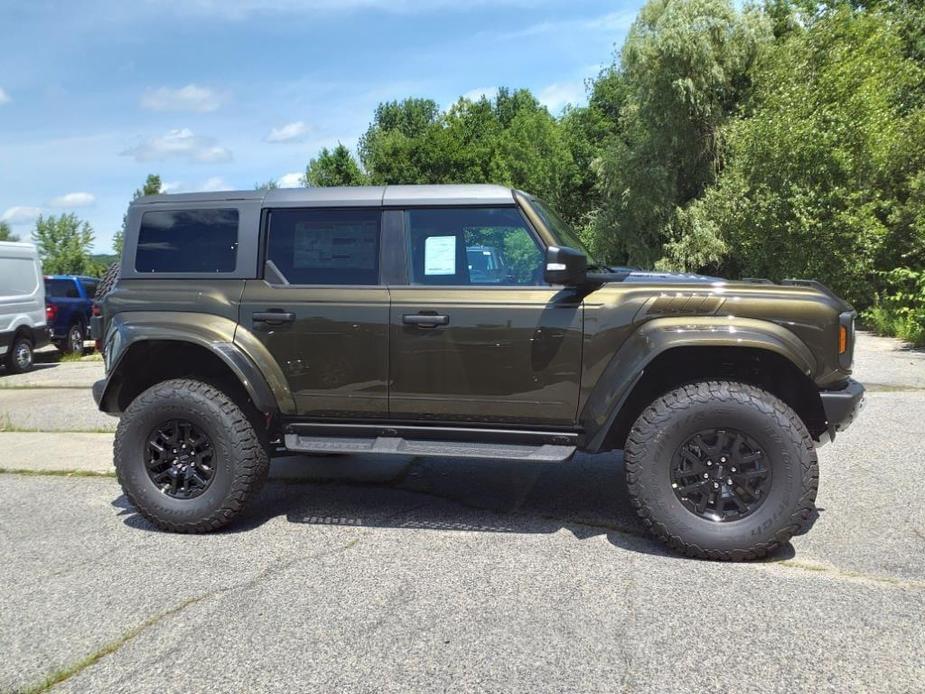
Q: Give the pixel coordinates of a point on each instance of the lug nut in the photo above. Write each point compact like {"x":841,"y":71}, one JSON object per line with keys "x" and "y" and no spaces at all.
{"x":729,"y":482}
{"x":709,"y":463}
{"x":716,"y":485}
{"x":732,"y":469}
{"x":722,"y":460}
{"x":706,"y":476}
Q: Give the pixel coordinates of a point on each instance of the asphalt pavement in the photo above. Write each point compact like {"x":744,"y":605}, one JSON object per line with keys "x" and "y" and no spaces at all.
{"x":360,"y":574}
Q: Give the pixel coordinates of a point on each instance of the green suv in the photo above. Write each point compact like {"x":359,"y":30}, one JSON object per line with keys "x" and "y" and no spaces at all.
{"x":459,"y":322}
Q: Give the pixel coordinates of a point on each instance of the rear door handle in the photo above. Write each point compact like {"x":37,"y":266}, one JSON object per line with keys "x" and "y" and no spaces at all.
{"x":425,"y":320}
{"x":273,"y":317}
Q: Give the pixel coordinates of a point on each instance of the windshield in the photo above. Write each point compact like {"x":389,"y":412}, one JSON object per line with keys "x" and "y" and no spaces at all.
{"x":560,"y":229}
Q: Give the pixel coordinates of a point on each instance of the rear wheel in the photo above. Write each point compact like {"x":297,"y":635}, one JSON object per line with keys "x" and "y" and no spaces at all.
{"x":19,"y":358}
{"x":74,"y":344}
{"x":721,"y":470}
{"x":187,"y":456}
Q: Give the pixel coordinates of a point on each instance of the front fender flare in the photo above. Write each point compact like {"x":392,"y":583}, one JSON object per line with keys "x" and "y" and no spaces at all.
{"x":662,"y":334}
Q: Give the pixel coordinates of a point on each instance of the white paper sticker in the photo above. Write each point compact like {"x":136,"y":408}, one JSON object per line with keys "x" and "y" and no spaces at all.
{"x":440,"y":255}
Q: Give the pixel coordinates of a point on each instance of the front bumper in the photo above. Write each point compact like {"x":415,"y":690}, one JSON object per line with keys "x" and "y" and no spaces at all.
{"x":98,"y":388}
{"x":842,"y":406}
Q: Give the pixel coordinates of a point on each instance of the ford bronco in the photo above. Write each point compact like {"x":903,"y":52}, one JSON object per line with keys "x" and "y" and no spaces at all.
{"x":460,"y":322}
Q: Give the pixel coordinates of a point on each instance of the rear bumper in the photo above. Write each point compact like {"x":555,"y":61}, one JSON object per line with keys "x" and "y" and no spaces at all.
{"x":842,"y":406}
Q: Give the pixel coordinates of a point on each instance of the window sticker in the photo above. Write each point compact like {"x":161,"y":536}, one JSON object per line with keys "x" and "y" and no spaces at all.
{"x":440,"y":255}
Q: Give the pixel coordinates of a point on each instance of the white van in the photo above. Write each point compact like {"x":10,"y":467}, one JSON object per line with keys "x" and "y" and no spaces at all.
{"x":22,"y":305}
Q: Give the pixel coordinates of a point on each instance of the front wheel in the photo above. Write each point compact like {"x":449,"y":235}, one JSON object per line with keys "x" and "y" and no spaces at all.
{"x":721,"y":470}
{"x":187,"y":456}
{"x":20,"y":358}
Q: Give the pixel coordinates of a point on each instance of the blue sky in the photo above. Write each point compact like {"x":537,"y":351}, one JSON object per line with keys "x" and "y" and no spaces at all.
{"x":218,"y":94}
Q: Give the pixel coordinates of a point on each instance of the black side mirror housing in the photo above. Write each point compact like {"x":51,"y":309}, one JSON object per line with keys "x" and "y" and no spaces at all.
{"x":565,"y":265}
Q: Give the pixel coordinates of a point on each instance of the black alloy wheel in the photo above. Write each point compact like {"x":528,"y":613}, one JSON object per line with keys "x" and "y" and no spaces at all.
{"x":721,"y":475}
{"x":180,"y":459}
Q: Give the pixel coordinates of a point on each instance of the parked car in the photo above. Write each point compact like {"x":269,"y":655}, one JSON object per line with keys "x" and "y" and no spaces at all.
{"x":22,"y":306}
{"x":347,"y":320}
{"x":68,"y":307}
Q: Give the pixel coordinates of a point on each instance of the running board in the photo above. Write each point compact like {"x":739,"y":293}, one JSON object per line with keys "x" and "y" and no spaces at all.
{"x":391,"y":445}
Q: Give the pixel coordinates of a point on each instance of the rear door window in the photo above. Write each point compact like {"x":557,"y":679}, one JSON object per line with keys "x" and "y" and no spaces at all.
{"x":325,"y":246}
{"x":194,"y":241}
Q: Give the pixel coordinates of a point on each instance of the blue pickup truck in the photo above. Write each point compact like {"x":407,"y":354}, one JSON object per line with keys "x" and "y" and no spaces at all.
{"x":68,"y":304}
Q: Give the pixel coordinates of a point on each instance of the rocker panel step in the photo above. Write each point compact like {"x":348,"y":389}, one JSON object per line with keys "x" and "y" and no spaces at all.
{"x":390,"y":445}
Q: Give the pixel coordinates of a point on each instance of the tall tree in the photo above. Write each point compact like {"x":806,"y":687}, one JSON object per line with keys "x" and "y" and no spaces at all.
{"x":64,"y":245}
{"x":826,"y":176}
{"x":6,"y":233}
{"x":152,"y":186}
{"x":335,"y":167}
{"x":686,"y":66}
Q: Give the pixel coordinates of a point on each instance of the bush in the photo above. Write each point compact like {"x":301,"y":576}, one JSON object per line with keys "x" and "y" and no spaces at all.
{"x":900,"y":309}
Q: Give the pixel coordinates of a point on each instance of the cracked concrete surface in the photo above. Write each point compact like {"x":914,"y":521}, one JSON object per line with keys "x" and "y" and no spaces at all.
{"x":353,"y":574}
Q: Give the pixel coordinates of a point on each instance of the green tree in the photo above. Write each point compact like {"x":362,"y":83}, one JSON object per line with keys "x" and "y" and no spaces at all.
{"x":335,"y":167}
{"x":269,"y":184}
{"x":6,"y":233}
{"x":686,"y":66}
{"x":826,"y":176}
{"x":152,"y":186}
{"x":63,"y":244}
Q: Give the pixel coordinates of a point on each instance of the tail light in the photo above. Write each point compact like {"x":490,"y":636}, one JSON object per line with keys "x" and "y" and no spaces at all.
{"x":51,"y":312}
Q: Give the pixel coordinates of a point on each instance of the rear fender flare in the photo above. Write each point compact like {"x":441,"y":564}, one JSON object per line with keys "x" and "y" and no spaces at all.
{"x":267,"y":389}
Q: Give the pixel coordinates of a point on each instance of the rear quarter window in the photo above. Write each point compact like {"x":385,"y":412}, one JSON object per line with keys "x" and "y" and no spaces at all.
{"x":61,"y":289}
{"x":193,"y":241}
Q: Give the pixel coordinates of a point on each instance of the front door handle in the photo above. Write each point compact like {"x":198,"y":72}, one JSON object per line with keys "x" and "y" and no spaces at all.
{"x":273,"y":317}
{"x":425,"y":320}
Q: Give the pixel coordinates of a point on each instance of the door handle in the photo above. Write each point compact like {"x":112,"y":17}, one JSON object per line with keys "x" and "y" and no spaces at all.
{"x":425,"y":320}
{"x":273,"y":317}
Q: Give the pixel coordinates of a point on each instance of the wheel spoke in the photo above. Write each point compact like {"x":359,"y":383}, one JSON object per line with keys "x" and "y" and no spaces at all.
{"x":734,"y":483}
{"x":179,"y":459}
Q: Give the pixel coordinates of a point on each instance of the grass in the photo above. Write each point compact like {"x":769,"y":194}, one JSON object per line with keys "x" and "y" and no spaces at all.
{"x":59,"y":676}
{"x":54,"y":473}
{"x":8,"y":427}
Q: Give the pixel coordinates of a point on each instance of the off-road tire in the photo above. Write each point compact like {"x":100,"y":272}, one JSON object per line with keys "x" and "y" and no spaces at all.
{"x":667,"y":422}
{"x":241,"y":460}
{"x":12,"y":363}
{"x":107,"y":282}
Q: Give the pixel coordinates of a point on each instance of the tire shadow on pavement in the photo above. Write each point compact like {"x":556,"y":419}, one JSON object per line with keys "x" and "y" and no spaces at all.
{"x":586,"y":497}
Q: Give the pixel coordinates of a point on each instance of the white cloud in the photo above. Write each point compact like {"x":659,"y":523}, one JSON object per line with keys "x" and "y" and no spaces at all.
{"x":212,"y":184}
{"x":556,"y":96}
{"x":291,"y":180}
{"x":74,"y":200}
{"x":181,"y":143}
{"x":192,"y":97}
{"x":4,"y":97}
{"x":614,"y":22}
{"x":291,"y":132}
{"x":207,"y":186}
{"x":479,"y":92}
{"x":20,"y":215}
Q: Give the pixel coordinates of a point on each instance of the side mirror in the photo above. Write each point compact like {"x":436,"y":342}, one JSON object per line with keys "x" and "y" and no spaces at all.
{"x":565,"y":266}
